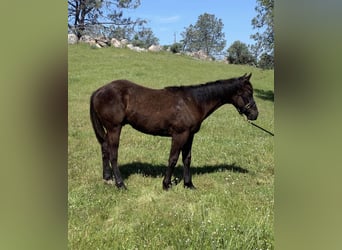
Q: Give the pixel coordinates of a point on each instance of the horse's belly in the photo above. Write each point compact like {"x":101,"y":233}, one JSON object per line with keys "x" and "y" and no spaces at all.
{"x":150,"y":125}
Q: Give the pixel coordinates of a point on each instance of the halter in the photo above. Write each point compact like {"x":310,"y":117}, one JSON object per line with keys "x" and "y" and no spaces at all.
{"x":247,"y":107}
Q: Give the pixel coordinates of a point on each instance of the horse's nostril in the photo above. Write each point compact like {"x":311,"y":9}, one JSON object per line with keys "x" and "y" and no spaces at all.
{"x":253,"y":116}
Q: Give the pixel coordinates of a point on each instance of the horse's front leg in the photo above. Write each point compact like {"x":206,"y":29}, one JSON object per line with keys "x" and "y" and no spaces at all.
{"x":177,"y":143}
{"x":186,"y":156}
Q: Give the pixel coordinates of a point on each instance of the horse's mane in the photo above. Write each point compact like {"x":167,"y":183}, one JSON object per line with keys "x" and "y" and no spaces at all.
{"x":209,"y":90}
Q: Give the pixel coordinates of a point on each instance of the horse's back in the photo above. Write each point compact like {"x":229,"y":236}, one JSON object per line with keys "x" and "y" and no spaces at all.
{"x":152,"y":111}
{"x":115,"y":91}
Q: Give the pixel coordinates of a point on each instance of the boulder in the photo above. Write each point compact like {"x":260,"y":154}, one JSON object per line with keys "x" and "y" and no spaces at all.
{"x":155,"y":48}
{"x":102,"y":41}
{"x":138,"y":49}
{"x":199,"y":55}
{"x":135,"y":48}
{"x":102,"y":44}
{"x":124,"y":42}
{"x":72,"y":39}
{"x":87,"y":39}
{"x":115,"y":43}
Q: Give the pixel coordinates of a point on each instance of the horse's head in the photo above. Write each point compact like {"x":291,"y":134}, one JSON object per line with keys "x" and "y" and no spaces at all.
{"x":243,"y":99}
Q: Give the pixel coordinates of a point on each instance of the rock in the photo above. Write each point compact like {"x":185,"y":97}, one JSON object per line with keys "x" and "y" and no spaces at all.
{"x":116,"y":43}
{"x":102,"y":44}
{"x":92,"y":43}
{"x":138,"y":49}
{"x":199,"y":55}
{"x":87,"y":39}
{"x":124,"y":42}
{"x":155,"y":48}
{"x":134,"y":48}
{"x":72,"y":39}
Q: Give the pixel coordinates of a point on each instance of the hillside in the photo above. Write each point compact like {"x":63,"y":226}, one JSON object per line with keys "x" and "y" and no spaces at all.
{"x":232,"y":163}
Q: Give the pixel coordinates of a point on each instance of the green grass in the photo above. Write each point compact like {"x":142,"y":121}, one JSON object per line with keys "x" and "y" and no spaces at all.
{"x":232,"y":164}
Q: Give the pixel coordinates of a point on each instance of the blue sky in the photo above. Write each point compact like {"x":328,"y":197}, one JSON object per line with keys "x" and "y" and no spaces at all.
{"x":167,"y":17}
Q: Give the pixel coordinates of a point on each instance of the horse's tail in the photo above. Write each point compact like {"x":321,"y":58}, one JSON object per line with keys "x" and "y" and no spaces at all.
{"x":95,"y":121}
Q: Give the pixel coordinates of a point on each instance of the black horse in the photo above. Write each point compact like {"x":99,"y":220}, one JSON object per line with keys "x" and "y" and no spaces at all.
{"x":176,"y":112}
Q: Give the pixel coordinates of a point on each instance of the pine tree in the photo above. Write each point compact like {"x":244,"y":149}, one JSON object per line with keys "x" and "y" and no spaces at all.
{"x":205,"y":35}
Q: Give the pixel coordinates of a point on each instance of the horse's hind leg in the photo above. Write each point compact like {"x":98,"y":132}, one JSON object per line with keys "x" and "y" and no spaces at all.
{"x":113,"y":136}
{"x":107,"y":170}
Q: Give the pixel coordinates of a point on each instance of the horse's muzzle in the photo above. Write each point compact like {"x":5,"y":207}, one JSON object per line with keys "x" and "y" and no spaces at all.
{"x":253,"y":115}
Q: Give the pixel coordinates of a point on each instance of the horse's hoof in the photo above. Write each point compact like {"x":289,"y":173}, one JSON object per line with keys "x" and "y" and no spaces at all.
{"x":121,"y":186}
{"x":189,"y":186}
{"x":166,"y":186}
{"x":107,"y":176}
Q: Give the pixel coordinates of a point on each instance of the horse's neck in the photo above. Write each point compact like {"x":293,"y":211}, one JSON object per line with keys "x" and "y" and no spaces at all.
{"x":210,"y":98}
{"x":210,"y":108}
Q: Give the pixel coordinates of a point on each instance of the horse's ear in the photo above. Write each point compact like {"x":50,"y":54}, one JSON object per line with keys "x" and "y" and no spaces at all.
{"x":243,"y":77}
{"x":248,"y":77}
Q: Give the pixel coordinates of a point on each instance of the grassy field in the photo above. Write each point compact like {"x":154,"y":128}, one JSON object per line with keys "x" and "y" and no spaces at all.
{"x":232,"y":164}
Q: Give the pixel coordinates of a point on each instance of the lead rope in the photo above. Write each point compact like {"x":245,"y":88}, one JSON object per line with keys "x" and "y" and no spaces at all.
{"x":257,"y":126}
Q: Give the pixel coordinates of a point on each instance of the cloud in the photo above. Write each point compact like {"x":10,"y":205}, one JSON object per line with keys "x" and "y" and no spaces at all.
{"x":170,"y":19}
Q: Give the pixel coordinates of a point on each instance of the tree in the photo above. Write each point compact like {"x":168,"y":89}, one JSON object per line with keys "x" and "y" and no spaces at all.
{"x":145,"y":38}
{"x":190,"y":39}
{"x":121,"y":32}
{"x":266,"y":61}
{"x":238,"y":53}
{"x":83,"y":15}
{"x":205,"y":35}
{"x":265,"y":21}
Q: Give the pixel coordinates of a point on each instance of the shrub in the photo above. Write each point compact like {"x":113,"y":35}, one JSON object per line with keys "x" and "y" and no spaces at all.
{"x":176,"y":48}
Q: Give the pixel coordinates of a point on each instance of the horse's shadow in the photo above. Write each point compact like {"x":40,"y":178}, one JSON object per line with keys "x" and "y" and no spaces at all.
{"x":151,"y":170}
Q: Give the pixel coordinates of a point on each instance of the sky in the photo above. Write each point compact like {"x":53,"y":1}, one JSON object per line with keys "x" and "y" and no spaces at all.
{"x":169,"y":17}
